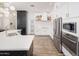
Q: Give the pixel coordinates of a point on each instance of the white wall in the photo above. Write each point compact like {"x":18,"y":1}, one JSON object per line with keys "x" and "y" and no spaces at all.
{"x":30,"y":18}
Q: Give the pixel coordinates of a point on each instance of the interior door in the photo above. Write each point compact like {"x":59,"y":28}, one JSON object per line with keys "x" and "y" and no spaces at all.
{"x":21,"y":21}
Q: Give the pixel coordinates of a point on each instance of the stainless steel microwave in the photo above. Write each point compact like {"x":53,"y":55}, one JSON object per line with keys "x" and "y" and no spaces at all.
{"x":71,"y":26}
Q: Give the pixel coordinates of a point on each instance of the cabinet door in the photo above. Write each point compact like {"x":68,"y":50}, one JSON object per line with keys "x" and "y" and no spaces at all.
{"x":73,"y":9}
{"x":42,"y":28}
{"x":62,"y":10}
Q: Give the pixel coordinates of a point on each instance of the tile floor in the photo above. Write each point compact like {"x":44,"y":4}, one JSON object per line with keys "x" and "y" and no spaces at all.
{"x":44,"y":46}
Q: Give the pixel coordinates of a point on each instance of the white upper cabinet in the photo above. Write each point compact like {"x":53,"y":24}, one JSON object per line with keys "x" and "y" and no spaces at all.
{"x":67,"y":9}
{"x":73,"y":9}
{"x":62,"y":10}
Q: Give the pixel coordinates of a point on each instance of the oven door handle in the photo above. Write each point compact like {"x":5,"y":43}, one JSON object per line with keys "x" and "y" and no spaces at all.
{"x":70,"y":40}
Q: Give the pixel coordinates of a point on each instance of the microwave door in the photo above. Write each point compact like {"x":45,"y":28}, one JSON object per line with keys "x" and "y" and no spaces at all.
{"x":71,"y":27}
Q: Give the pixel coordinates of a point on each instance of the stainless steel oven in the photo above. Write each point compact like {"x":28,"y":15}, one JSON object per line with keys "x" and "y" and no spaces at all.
{"x":70,"y":42}
{"x":71,"y":27}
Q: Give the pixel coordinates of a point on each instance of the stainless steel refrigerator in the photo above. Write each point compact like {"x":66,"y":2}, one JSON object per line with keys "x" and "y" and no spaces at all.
{"x":57,"y":29}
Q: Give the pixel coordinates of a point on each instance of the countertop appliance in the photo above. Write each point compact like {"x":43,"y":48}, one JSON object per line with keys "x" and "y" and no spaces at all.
{"x":58,"y":33}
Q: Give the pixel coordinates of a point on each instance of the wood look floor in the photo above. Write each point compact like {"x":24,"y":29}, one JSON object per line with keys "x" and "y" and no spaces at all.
{"x":44,"y":46}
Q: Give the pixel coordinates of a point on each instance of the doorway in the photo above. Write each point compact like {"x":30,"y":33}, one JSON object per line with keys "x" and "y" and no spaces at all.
{"x":22,"y":21}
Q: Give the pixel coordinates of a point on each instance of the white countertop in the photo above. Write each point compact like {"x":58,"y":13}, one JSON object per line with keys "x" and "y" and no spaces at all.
{"x":18,"y":42}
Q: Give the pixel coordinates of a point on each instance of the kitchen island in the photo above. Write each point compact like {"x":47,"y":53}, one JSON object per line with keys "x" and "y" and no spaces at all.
{"x":16,"y":45}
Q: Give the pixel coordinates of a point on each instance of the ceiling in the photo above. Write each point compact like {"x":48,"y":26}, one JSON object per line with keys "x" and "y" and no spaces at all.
{"x":34,"y":6}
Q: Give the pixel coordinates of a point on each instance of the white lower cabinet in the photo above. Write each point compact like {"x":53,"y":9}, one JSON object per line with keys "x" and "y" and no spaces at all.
{"x":42,"y":28}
